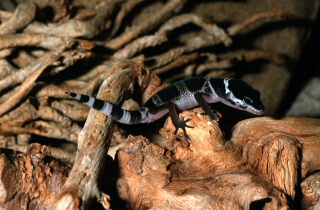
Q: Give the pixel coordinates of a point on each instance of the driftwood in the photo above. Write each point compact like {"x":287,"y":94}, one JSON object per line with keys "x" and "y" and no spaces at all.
{"x":83,"y":179}
{"x":261,"y":165}
{"x":114,"y":50}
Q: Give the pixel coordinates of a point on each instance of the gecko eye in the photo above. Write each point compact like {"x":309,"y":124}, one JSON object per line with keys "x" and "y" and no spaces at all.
{"x":247,"y":100}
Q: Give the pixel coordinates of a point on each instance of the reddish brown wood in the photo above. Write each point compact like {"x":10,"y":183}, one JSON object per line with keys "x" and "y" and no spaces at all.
{"x":47,"y":48}
{"x":31,"y":179}
{"x":259,"y":165}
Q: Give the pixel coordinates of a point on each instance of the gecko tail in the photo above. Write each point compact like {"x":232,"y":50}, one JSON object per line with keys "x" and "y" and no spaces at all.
{"x":113,"y":111}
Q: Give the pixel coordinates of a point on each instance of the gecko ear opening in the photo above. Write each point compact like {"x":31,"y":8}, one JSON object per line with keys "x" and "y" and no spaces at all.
{"x":228,"y":96}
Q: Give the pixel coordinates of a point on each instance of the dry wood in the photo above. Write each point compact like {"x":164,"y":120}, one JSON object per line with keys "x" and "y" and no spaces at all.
{"x":23,"y":15}
{"x":167,"y":57}
{"x":5,"y":68}
{"x":127,"y":7}
{"x":153,"y":87}
{"x":60,"y":9}
{"x":275,"y":148}
{"x":32,"y":120}
{"x":138,"y":45}
{"x":38,"y":40}
{"x":73,"y":109}
{"x":272,"y":14}
{"x":17,"y":77}
{"x":265,"y":163}
{"x":63,"y":155}
{"x":28,"y":83}
{"x":248,"y":56}
{"x":77,"y":28}
{"x":34,"y":178}
{"x":178,"y":21}
{"x":94,"y":139}
{"x":167,"y":10}
{"x":5,"y":15}
{"x":310,"y":190}
{"x":209,"y":171}
{"x":180,"y":61}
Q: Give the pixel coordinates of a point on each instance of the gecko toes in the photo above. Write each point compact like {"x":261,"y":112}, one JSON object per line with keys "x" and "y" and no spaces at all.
{"x":183,"y":125}
{"x":185,"y":121}
{"x":212,"y":115}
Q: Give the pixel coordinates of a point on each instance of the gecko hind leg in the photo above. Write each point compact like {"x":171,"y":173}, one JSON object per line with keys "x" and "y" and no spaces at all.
{"x":205,"y":106}
{"x":176,"y":121}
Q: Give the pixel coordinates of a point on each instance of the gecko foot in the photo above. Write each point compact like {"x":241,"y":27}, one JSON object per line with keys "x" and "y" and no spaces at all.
{"x":212,"y":115}
{"x":183,"y":125}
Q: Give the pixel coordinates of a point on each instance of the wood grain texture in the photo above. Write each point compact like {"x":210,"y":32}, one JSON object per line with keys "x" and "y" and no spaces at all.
{"x":260,"y":165}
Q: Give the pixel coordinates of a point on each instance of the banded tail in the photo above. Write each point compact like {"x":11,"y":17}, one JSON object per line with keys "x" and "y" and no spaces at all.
{"x":115,"y":112}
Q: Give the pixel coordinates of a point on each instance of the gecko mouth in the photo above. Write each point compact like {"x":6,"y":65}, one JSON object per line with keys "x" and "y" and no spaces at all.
{"x":258,"y":109}
{"x":255,"y":111}
{"x":259,"y":112}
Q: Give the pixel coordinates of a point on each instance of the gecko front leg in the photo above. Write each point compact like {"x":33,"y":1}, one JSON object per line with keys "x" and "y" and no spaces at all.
{"x":176,"y":121}
{"x":207,"y":109}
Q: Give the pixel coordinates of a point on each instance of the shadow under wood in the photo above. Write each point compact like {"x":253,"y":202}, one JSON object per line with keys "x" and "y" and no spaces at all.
{"x":260,"y":204}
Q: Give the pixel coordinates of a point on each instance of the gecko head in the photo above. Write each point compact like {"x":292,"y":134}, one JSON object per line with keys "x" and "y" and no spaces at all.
{"x":241,"y":95}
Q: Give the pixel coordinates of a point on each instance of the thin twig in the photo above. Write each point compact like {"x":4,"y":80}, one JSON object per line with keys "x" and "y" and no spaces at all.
{"x":139,"y":44}
{"x":180,"y":61}
{"x":272,"y":14}
{"x":30,"y":39}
